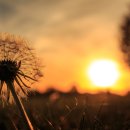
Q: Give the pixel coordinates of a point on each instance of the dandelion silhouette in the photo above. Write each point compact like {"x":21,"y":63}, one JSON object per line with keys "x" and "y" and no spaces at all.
{"x":18,"y":70}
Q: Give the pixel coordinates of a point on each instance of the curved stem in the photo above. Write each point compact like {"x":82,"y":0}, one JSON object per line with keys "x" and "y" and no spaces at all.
{"x":20,"y":106}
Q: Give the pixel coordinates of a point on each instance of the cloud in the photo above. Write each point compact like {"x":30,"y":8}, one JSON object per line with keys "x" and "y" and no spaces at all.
{"x":56,"y":17}
{"x":6,"y":11}
{"x":65,"y":32}
{"x":62,"y":24}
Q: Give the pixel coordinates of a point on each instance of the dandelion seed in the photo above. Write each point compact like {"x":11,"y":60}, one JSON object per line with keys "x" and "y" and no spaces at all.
{"x":18,"y":70}
{"x":18,"y":64}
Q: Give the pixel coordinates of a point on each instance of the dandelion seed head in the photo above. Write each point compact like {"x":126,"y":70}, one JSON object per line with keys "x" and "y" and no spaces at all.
{"x":18,"y":64}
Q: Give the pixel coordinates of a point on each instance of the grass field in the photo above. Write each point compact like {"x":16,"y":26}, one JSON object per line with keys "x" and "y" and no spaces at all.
{"x":54,"y":110}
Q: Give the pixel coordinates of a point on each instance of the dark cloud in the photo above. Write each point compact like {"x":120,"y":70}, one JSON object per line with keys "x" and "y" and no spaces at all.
{"x":6,"y":10}
{"x":56,"y":18}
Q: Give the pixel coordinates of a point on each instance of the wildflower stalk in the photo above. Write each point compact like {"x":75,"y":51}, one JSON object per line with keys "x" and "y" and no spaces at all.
{"x":17,"y":64}
{"x":20,"y":106}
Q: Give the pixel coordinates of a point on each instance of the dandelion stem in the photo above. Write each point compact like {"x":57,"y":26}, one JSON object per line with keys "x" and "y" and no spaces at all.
{"x":20,"y":106}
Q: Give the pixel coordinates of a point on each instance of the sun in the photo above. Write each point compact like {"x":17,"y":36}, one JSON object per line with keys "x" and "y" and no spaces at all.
{"x":103,"y":73}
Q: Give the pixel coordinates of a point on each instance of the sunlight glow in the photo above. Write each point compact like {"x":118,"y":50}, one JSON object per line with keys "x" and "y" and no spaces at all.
{"x":103,"y":73}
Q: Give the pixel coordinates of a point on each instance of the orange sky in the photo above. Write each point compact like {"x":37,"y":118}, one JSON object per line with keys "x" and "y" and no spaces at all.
{"x":67,"y":36}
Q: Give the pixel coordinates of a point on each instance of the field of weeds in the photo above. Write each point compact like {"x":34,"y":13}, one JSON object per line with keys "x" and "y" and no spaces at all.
{"x":70,"y":111}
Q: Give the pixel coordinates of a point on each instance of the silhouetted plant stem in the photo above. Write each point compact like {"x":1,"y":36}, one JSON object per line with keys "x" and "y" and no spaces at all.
{"x":20,"y":106}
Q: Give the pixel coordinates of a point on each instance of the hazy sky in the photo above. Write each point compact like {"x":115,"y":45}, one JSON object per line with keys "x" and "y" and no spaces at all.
{"x":66,"y":33}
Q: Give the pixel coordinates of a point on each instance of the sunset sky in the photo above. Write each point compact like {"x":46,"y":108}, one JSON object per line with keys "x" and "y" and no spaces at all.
{"x":67,"y":36}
